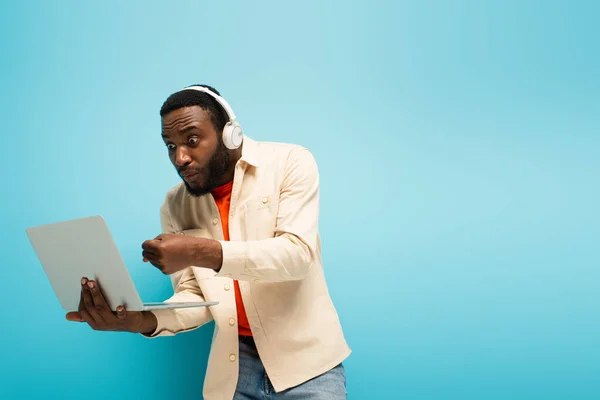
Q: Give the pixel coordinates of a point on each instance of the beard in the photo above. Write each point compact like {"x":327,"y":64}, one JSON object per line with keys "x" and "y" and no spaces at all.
{"x":217,"y":168}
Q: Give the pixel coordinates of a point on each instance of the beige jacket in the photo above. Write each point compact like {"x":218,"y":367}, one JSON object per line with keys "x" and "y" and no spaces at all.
{"x":275,"y":253}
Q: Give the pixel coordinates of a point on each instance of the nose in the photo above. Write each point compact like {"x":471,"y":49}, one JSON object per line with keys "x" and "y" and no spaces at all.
{"x":182,"y":156}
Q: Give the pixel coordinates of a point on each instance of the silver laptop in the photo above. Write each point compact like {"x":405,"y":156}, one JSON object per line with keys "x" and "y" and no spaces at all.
{"x":84,"y":247}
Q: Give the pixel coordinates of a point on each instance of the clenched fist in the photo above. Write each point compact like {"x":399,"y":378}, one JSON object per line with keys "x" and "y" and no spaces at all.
{"x":173,"y":252}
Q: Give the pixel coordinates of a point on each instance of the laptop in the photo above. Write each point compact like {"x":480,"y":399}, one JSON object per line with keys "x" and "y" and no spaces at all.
{"x":71,"y":250}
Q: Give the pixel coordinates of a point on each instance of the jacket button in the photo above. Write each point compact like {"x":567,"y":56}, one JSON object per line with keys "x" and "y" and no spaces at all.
{"x":215,"y":220}
{"x":232,"y":357}
{"x":227,"y":287}
{"x":231,"y":321}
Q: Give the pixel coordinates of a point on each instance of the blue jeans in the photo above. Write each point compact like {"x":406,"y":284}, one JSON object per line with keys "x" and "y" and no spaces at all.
{"x":254,"y":384}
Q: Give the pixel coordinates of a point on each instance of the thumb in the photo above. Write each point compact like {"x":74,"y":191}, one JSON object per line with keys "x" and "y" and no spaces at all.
{"x":74,"y":316}
{"x":121,"y":312}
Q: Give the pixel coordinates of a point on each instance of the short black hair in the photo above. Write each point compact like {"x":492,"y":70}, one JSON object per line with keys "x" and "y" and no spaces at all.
{"x":191,"y":97}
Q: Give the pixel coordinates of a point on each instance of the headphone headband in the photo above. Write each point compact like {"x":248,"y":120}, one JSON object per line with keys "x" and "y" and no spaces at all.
{"x":218,"y":98}
{"x":232,"y":131}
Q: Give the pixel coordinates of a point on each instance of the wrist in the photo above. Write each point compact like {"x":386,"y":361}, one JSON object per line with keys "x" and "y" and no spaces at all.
{"x":208,"y":253}
{"x":148,"y":324}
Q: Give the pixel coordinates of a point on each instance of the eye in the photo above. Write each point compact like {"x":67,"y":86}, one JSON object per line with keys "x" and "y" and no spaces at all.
{"x":170,"y":146}
{"x":193,"y":141}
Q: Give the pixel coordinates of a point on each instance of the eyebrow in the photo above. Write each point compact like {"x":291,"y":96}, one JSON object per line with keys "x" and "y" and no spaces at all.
{"x":185,"y":130}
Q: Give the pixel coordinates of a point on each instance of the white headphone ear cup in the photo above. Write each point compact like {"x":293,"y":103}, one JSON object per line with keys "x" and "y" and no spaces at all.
{"x":232,"y":136}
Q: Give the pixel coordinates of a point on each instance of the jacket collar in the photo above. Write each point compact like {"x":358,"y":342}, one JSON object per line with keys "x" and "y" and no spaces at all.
{"x":250,"y":152}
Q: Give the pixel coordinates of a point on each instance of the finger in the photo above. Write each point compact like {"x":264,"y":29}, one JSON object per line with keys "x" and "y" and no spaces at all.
{"x":84,"y":282}
{"x":85,"y":316}
{"x":100,"y":303}
{"x":90,"y":307}
{"x":86,"y":296}
{"x":156,"y":261}
{"x":153,"y":259}
{"x":74,"y":316}
{"x":148,"y":255}
{"x":121,"y":312}
{"x":88,"y":318}
{"x":151,"y":245}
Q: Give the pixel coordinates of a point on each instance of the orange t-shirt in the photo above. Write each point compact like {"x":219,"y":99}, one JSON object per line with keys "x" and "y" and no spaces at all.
{"x":222,"y":196}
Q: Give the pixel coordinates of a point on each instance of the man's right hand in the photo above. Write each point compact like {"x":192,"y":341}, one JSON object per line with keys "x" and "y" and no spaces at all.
{"x":94,"y":310}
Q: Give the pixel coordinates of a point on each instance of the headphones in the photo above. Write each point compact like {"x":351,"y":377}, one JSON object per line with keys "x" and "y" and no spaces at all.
{"x":232,"y":131}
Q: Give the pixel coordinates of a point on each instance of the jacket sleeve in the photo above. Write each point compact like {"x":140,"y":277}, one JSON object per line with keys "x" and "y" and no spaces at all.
{"x":289,"y":255}
{"x":186,"y":289}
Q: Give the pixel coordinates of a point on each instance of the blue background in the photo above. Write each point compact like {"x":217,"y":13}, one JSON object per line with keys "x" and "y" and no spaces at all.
{"x":459,"y":150}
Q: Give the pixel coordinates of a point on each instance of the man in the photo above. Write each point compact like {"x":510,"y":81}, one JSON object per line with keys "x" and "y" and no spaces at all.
{"x":241,"y":229}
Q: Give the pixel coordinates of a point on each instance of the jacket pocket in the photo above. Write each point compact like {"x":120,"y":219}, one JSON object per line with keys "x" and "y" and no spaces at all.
{"x":259,"y":215}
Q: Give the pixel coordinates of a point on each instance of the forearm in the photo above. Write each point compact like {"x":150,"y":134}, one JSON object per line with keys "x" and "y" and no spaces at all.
{"x":284,"y":258}
{"x":179,"y":320}
{"x":173,"y":321}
